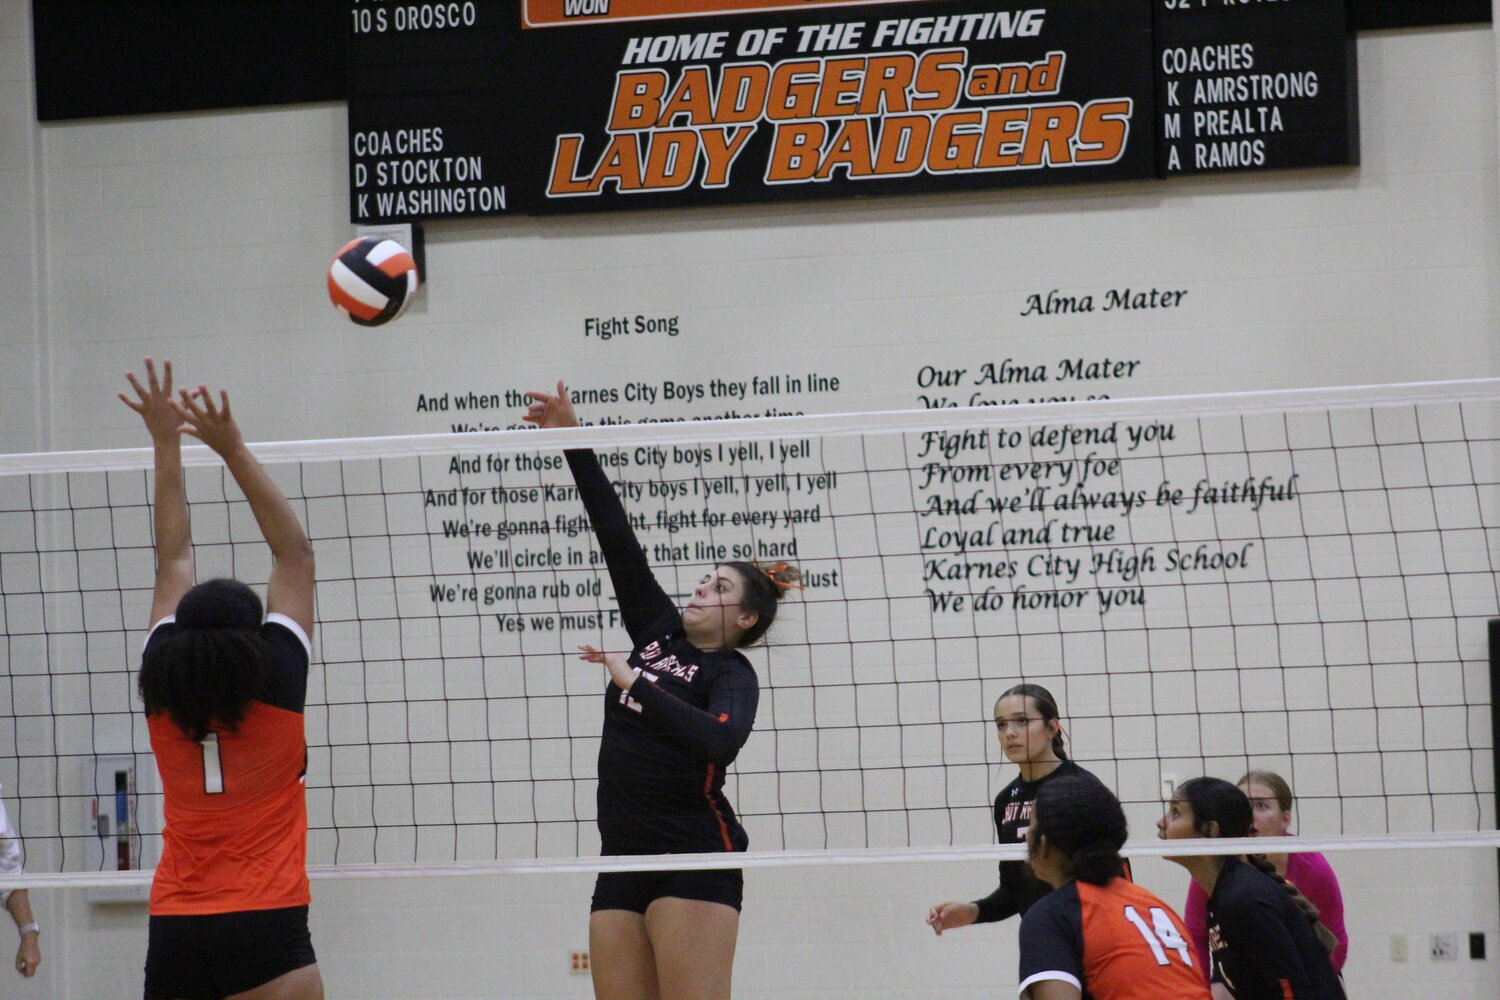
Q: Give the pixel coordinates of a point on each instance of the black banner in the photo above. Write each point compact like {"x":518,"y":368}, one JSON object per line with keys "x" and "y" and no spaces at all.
{"x":463,"y":109}
{"x":1368,"y":14}
{"x":1254,"y":86}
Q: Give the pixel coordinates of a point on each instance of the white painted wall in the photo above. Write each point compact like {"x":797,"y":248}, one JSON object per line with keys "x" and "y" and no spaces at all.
{"x":203,"y":237}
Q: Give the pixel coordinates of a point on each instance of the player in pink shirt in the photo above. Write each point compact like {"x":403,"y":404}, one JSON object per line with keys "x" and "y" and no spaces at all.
{"x":1271,"y":804}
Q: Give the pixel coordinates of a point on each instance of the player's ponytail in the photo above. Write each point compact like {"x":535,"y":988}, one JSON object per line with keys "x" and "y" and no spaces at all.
{"x":1325,"y":936}
{"x":764,"y":588}
{"x":214,"y":662}
{"x":1083,"y":820}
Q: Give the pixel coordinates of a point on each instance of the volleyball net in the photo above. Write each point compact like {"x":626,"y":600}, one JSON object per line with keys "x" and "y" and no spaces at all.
{"x":1292,"y":581}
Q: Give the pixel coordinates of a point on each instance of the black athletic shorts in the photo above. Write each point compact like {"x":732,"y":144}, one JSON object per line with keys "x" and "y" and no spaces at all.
{"x":635,"y":891}
{"x":220,"y":954}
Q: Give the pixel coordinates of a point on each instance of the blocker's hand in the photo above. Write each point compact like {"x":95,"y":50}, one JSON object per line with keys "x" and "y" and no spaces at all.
{"x":164,"y":418}
{"x":551,"y":409}
{"x":211,"y":424}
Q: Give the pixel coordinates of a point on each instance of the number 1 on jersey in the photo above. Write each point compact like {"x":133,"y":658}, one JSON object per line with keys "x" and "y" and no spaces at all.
{"x":1161,"y":932}
{"x":213,"y":769}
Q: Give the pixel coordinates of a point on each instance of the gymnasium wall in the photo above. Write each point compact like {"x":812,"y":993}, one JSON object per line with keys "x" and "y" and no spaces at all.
{"x":203,"y":237}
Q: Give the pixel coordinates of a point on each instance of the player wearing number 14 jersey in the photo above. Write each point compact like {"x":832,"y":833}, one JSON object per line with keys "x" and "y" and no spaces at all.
{"x":223,"y":687}
{"x":1097,"y":934}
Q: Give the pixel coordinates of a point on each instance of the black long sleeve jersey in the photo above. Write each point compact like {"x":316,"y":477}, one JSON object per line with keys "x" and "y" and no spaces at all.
{"x":668,"y":740}
{"x":1263,"y":945}
{"x":1018,"y":888}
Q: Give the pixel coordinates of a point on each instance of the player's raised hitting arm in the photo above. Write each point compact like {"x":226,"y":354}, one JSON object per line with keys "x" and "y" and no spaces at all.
{"x":643,"y":602}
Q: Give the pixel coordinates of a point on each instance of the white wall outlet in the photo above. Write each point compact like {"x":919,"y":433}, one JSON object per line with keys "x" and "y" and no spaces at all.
{"x":1398,"y":947}
{"x":1168,"y":785}
{"x":1445,"y":947}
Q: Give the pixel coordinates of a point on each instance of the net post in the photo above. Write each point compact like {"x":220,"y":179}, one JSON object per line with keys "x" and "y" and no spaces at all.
{"x":1494,"y":640}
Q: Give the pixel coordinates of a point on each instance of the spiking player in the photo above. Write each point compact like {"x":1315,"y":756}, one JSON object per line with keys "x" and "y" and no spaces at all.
{"x":224,"y":690}
{"x":677,"y":710}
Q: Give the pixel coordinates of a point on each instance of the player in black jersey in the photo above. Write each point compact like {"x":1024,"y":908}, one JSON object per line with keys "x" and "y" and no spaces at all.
{"x":1030,"y":732}
{"x":676,"y":712}
{"x":1264,"y":936}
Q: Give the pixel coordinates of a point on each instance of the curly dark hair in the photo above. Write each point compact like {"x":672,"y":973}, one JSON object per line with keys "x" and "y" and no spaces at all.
{"x":208,"y":670}
{"x":1084,"y":820}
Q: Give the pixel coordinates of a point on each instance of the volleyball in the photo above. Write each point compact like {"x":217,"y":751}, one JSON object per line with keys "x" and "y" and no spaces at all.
{"x":372,"y":280}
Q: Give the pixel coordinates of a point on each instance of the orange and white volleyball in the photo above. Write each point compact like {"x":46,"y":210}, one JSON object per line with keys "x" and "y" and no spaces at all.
{"x":372,"y":280}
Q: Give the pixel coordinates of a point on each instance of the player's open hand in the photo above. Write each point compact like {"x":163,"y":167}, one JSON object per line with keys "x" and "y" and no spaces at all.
{"x":154,"y":402}
{"x":211,"y":423}
{"x":549,"y":409}
{"x":621,"y":672}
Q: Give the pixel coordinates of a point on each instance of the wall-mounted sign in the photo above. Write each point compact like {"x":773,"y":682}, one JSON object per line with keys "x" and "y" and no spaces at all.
{"x":470,"y":109}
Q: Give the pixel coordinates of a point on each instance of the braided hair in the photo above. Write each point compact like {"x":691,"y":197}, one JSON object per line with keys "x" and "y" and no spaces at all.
{"x":1214,"y":800}
{"x":207,"y":671}
{"x":1046,"y":707}
{"x":764,"y":587}
{"x":1084,"y":820}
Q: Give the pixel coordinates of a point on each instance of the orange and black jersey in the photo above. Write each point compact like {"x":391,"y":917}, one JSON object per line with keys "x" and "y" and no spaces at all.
{"x":668,"y":739}
{"x":235,"y":806}
{"x":1113,"y":942}
{"x":1263,"y":945}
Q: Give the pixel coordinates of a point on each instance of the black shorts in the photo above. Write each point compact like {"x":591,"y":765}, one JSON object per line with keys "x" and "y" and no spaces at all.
{"x":635,"y":891}
{"x":220,"y":954}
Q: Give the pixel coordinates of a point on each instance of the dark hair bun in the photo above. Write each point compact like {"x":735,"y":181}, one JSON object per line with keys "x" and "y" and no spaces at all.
{"x":783,"y":576}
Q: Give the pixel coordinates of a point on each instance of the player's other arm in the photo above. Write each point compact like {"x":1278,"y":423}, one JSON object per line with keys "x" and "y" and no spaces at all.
{"x":1052,"y":989}
{"x":1051,"y":945}
{"x":29,"y":950}
{"x":716,"y":733}
{"x":293,"y":571}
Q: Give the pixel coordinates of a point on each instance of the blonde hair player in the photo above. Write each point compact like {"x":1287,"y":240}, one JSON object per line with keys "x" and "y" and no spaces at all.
{"x":677,"y":710}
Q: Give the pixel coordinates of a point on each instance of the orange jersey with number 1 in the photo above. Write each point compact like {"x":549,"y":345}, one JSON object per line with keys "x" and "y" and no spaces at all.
{"x":235,"y":808}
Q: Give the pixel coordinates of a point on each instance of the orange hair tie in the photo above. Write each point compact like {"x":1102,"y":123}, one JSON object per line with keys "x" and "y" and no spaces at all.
{"x":771,"y":572}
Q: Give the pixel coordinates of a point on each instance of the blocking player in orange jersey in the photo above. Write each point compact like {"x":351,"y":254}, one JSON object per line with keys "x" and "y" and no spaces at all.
{"x":1097,"y":934}
{"x":224,"y":688}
